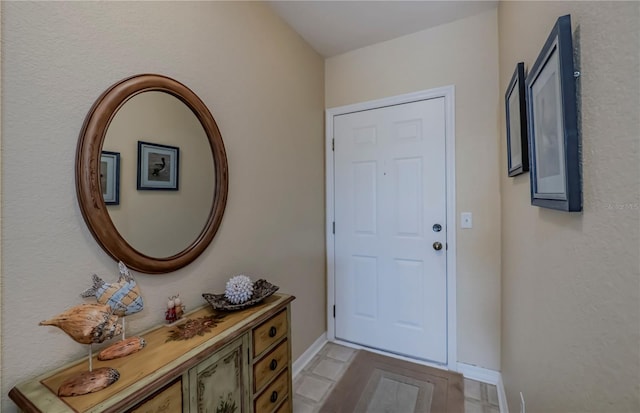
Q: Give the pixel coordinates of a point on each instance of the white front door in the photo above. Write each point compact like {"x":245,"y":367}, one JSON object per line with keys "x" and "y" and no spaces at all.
{"x":390,"y":213}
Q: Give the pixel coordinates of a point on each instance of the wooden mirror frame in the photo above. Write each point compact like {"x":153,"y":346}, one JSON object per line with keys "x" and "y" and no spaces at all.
{"x":88,"y":155}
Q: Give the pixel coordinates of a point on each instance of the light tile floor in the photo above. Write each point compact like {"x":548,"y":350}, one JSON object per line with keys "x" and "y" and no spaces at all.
{"x":320,"y":375}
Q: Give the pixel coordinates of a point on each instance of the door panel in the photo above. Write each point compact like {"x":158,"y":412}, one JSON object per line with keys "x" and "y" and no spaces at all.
{"x":364,"y":194}
{"x":408,"y":193}
{"x":389,"y":169}
{"x":365,"y":271}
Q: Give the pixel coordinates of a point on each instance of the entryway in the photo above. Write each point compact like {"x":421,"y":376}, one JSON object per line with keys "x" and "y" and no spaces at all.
{"x":321,"y":376}
{"x":391,"y":242}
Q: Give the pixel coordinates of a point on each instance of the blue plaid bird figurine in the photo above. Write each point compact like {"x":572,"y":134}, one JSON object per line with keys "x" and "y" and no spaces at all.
{"x":122,"y":296}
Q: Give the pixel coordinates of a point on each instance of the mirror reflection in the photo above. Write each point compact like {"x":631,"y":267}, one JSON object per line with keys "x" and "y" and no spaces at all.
{"x":164,"y":215}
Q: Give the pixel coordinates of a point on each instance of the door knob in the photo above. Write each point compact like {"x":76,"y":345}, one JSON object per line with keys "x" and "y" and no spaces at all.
{"x":437,"y":246}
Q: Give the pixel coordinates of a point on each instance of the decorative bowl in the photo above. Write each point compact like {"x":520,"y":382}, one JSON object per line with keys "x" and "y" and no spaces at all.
{"x":261,"y":290}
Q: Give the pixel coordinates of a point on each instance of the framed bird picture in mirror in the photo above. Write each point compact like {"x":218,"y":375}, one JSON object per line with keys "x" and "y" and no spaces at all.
{"x":158,"y":166}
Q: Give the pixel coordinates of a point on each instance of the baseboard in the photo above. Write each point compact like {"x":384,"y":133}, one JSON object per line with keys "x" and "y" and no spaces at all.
{"x":306,"y":357}
{"x":488,"y":376}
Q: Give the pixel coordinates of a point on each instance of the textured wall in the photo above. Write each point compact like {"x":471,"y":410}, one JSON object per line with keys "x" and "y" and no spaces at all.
{"x":571,"y":281}
{"x":465,"y":54}
{"x":264,"y":86}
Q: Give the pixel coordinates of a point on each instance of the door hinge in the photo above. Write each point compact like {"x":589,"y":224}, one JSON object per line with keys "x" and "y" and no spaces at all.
{"x":334,"y":311}
{"x":334,"y":227}
{"x":248,"y":356}
{"x":333,"y":144}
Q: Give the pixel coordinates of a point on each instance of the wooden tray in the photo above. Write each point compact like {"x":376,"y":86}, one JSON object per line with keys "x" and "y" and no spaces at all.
{"x":261,"y":290}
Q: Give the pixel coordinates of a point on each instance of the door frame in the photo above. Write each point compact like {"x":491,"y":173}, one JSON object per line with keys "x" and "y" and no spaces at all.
{"x":448,"y":93}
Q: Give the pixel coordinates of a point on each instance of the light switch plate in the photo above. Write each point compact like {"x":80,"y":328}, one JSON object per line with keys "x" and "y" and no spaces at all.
{"x":466,"y":220}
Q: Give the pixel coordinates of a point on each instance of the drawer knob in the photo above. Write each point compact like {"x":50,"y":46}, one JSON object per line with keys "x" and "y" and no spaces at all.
{"x":274,"y":396}
{"x":272,"y":332}
{"x":274,"y":364}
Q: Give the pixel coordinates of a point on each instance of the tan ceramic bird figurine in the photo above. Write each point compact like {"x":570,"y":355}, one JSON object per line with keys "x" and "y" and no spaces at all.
{"x":87,"y":323}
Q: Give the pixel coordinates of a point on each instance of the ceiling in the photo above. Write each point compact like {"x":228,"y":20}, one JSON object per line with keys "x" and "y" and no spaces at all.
{"x":335,"y":27}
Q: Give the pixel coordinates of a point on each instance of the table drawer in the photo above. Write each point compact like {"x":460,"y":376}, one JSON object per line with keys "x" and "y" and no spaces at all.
{"x":167,"y":400}
{"x":273,"y":363}
{"x":269,"y":332}
{"x":273,"y":395}
{"x":285,"y":407}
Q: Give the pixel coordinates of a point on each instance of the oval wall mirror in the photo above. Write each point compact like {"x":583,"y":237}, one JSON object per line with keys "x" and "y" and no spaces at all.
{"x":151,"y":173}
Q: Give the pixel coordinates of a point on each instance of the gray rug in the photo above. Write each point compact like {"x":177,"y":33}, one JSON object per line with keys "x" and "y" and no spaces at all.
{"x":378,"y":384}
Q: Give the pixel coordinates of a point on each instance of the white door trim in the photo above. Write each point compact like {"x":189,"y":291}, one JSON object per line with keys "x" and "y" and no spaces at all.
{"x":448,"y":93}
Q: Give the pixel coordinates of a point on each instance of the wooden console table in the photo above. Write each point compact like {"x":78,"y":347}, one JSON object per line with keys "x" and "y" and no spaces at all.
{"x":243,"y":364}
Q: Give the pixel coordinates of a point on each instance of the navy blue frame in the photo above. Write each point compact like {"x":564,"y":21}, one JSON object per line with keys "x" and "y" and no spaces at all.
{"x":116,"y":156}
{"x":560,"y":42}
{"x":516,"y":86}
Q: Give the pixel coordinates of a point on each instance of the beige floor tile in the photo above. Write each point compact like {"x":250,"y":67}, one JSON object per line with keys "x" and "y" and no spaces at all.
{"x":313,"y":388}
{"x":341,"y":353}
{"x":300,"y":406}
{"x":312,"y":363}
{"x":329,"y":368}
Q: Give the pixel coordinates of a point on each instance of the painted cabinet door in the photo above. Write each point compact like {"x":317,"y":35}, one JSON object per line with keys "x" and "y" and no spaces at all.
{"x":220,"y":383}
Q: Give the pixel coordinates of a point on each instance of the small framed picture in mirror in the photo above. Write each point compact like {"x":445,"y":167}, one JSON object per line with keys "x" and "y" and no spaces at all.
{"x":110,"y":177}
{"x":158,"y":166}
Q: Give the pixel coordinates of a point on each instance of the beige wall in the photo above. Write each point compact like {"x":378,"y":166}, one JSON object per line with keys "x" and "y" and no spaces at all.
{"x":571,"y":281}
{"x":465,"y":54}
{"x":264,"y":86}
{"x":1,"y":51}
